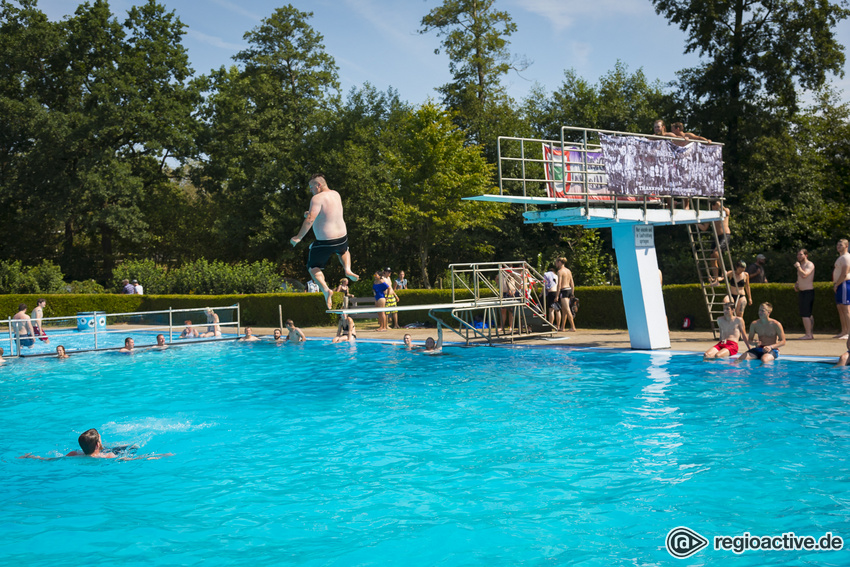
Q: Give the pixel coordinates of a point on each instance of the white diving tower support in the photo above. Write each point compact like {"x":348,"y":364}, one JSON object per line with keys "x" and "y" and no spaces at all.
{"x":568,"y":185}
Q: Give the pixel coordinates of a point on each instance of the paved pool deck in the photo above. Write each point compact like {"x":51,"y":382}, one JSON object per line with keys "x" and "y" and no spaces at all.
{"x":823,"y":346}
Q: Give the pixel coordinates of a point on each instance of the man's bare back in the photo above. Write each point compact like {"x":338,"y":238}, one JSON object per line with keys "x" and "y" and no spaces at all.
{"x":326,"y":207}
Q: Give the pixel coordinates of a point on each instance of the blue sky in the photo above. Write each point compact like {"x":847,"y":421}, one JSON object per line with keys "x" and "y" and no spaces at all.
{"x":376,"y":41}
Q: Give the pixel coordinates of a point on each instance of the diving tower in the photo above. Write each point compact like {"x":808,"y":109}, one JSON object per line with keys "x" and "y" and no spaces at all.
{"x":629,"y":183}
{"x":484,"y":296}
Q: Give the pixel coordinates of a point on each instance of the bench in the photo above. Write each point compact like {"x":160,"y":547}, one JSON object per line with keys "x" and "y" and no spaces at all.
{"x":354,"y":302}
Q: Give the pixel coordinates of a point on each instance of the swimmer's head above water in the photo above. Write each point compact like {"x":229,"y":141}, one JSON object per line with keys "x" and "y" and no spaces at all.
{"x":90,"y":441}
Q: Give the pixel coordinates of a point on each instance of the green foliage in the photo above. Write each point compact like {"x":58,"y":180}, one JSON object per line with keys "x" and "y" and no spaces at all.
{"x":755,"y":57}
{"x":97,"y":106}
{"x":619,"y":101}
{"x":85,"y":286}
{"x":257,"y":120}
{"x":46,"y":277}
{"x":433,"y":170}
{"x":152,"y":277}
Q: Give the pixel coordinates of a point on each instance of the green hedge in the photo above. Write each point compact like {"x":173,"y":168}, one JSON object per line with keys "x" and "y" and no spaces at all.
{"x":601,"y":307}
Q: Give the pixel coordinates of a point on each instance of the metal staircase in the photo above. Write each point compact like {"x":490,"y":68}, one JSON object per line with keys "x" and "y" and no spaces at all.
{"x":703,"y":243}
{"x":489,"y":283}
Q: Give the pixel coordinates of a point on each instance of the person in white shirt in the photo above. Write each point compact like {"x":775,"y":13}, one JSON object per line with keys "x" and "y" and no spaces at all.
{"x":550,"y":284}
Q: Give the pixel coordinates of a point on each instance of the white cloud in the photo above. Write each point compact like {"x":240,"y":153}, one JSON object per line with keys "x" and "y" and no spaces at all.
{"x":562,"y":14}
{"x":213,"y":40}
{"x":237,"y":9}
{"x":580,"y":53}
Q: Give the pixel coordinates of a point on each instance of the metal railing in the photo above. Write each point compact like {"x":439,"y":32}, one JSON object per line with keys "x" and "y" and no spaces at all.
{"x":65,"y":331}
{"x":513,"y":287}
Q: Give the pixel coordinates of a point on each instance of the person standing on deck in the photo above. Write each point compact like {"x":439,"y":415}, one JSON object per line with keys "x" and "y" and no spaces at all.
{"x":550,"y":286}
{"x":36,"y":316}
{"x":805,"y":288}
{"x":566,"y":288}
{"x":326,"y":219}
{"x":841,"y":286}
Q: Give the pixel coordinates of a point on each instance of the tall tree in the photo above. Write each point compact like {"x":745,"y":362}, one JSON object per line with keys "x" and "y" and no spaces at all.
{"x":257,"y":119}
{"x":756,"y":53}
{"x":432,"y":171}
{"x":474,"y":36}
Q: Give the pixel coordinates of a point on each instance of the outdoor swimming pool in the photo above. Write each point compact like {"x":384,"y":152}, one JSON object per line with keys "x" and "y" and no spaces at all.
{"x":321,"y":454}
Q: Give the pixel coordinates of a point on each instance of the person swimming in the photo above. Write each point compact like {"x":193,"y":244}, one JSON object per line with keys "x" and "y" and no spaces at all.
{"x":92,"y":446}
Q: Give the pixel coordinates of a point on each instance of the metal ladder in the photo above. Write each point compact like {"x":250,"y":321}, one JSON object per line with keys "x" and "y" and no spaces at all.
{"x":703,"y":242}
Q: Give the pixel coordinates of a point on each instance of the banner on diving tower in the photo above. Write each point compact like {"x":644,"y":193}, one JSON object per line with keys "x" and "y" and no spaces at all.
{"x":638,"y":166}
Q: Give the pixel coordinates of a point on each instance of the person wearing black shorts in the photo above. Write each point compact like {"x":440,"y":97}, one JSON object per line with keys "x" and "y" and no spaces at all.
{"x":805,"y":287}
{"x":326,"y":220}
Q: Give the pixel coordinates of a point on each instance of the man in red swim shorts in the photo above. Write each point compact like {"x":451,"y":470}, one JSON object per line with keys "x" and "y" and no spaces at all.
{"x":732,"y":329}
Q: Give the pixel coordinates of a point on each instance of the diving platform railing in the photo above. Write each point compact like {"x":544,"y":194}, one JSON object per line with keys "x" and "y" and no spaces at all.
{"x":99,"y":331}
{"x":485,"y":296}
{"x":630,"y":183}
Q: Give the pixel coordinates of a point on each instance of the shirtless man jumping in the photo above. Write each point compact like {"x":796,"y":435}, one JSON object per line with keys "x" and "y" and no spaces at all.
{"x":732,"y":330}
{"x":566,"y":287}
{"x":771,"y":337}
{"x":325,"y":217}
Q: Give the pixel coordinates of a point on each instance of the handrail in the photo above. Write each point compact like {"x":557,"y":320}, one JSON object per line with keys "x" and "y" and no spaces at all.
{"x":15,"y":338}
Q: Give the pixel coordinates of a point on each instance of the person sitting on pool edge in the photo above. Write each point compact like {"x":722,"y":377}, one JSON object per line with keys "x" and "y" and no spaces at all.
{"x":843,"y":360}
{"x":732,"y":329}
{"x":213,"y":329}
{"x":345,"y":331}
{"x":249,"y":336}
{"x":770,"y":333}
{"x":129,"y":346}
{"x":189,"y":332}
{"x":295,"y":335}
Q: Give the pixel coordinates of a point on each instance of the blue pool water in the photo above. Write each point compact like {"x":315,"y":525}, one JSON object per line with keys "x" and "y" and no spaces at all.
{"x":321,"y":454}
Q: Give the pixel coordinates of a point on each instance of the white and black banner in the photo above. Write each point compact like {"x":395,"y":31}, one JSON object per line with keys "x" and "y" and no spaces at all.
{"x":638,"y":166}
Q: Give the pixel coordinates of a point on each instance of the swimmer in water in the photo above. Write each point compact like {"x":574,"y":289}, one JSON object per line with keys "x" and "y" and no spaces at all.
{"x":92,"y":446}
{"x":60,"y":352}
{"x":432,"y":347}
{"x":408,"y":343}
{"x":129,"y":346}
{"x":2,"y":360}
{"x":160,"y":343}
{"x":249,"y":336}
{"x":277,"y":336}
{"x":295,"y":335}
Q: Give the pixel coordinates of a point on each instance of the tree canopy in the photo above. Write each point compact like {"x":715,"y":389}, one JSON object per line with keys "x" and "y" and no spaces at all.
{"x":112,"y":150}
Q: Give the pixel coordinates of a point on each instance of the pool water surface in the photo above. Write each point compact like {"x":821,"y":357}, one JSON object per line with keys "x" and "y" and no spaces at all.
{"x":322,"y":454}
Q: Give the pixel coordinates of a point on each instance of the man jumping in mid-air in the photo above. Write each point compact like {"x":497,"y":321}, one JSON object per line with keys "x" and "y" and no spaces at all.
{"x":325,"y":217}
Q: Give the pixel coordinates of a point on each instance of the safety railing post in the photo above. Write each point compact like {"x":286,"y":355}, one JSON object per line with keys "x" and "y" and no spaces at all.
{"x":9,"y":320}
{"x":170,"y":324}
{"x":499,"y":153}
